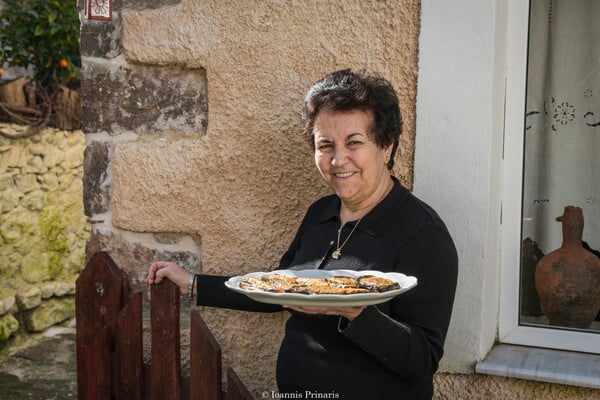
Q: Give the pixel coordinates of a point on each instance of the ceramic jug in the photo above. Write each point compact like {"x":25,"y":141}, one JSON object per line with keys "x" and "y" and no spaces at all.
{"x":568,"y":278}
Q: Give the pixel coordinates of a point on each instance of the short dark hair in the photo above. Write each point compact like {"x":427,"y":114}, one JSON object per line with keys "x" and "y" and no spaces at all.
{"x":345,"y":91}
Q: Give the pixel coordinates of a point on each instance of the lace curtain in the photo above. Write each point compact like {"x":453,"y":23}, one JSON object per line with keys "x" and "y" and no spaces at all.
{"x":562,"y":133}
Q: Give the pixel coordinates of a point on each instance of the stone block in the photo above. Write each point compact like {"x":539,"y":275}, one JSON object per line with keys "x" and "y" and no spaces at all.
{"x":100,"y":38}
{"x":30,"y":243}
{"x":146,"y":99}
{"x":9,"y":262}
{"x":64,"y":288}
{"x":49,"y":181}
{"x":95,"y":190}
{"x":34,"y":201}
{"x":65,"y":180}
{"x":48,"y":313}
{"x":8,"y":326}
{"x":35,"y":267}
{"x":73,"y":158}
{"x":29,"y":298}
{"x":47,"y":289}
{"x":7,"y":300}
{"x":9,"y":199}
{"x":35,"y":165}
{"x":37,"y":149}
{"x":7,"y":181}
{"x":16,"y":157}
{"x":26,"y":183}
{"x":53,"y":156}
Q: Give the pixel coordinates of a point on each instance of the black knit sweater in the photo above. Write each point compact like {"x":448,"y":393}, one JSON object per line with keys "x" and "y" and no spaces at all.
{"x":390,"y":350}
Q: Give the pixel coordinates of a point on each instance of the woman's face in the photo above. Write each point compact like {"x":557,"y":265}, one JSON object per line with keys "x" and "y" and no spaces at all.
{"x":349,"y":161}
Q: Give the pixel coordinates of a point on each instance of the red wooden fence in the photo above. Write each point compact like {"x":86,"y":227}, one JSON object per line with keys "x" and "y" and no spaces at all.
{"x":110,"y":343}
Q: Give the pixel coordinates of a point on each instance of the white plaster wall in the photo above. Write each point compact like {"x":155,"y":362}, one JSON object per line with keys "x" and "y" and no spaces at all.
{"x":458,"y":156}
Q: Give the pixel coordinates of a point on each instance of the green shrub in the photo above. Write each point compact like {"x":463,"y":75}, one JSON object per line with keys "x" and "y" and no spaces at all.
{"x":43,"y":34}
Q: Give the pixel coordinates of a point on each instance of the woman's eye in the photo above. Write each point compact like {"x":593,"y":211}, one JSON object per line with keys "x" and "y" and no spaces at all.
{"x":354,"y":143}
{"x":325,"y":146}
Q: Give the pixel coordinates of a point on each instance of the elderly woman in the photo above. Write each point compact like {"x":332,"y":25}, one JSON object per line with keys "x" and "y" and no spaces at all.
{"x":371,"y":222}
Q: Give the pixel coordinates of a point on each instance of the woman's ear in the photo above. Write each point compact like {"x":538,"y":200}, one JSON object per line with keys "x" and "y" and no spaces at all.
{"x":388,"y":153}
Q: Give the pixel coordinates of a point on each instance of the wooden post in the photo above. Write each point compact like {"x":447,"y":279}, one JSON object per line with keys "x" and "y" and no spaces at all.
{"x":235,"y":388}
{"x":165,"y":369}
{"x":129,"y":352}
{"x":205,"y":361}
{"x":99,"y":296}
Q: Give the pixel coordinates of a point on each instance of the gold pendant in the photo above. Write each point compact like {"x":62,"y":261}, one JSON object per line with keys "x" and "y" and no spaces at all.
{"x":336,"y":254}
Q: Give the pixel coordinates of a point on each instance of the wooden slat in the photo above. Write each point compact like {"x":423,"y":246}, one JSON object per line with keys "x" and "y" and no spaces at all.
{"x":129,"y":352}
{"x":185,"y":388}
{"x":235,"y":388}
{"x":99,"y":296}
{"x":165,"y":367}
{"x":96,"y":364}
{"x":205,"y":361}
{"x":110,"y":343}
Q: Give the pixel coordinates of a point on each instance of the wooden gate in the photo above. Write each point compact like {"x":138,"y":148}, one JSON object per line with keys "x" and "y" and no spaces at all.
{"x":110,"y":343}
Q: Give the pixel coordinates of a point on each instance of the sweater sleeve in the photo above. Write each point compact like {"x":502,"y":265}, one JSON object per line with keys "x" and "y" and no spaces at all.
{"x":212,"y":292}
{"x":407,"y":333}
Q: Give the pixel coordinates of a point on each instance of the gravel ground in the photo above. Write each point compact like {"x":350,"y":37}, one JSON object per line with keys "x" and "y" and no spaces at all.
{"x":40,"y":367}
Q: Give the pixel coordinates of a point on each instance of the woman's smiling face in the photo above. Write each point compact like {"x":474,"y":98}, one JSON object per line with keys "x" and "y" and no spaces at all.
{"x":353,"y":166}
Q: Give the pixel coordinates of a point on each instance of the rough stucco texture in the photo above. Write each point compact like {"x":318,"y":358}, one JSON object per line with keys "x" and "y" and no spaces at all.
{"x":243,"y":187}
{"x":475,"y":386}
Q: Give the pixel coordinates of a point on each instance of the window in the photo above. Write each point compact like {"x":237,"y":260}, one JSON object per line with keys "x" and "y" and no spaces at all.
{"x":552,"y":141}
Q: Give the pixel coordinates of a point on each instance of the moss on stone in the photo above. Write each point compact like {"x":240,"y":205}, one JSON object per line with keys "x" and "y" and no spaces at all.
{"x":50,"y":312}
{"x":53,"y":229}
{"x":8,"y":325}
{"x":43,"y":228}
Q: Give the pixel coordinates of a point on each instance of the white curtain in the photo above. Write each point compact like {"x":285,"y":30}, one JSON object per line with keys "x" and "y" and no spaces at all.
{"x":562,"y":133}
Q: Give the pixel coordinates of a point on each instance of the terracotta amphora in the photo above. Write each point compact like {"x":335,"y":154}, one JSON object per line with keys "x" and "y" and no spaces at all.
{"x":568,"y":278}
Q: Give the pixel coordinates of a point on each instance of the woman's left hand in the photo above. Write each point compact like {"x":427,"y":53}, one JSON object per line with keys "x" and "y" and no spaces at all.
{"x":348,"y":312}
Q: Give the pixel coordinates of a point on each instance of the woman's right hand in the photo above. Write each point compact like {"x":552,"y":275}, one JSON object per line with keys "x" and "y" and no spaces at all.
{"x":173,"y":272}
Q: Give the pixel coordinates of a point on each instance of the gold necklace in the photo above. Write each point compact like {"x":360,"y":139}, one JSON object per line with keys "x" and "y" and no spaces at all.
{"x":338,"y":252}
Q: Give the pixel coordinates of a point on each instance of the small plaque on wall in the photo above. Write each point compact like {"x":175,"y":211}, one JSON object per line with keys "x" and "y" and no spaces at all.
{"x":98,"y":9}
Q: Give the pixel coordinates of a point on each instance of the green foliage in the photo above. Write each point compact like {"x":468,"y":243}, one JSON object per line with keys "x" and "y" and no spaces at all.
{"x":41,"y":33}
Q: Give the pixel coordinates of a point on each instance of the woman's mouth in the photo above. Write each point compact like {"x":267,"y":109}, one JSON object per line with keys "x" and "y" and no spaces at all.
{"x":343,"y":174}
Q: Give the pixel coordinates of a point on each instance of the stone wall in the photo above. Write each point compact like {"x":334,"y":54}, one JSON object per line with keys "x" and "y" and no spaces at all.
{"x":43,"y":229}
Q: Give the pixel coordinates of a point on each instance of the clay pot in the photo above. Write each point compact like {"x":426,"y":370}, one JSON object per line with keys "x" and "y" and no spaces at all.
{"x":568,"y":278}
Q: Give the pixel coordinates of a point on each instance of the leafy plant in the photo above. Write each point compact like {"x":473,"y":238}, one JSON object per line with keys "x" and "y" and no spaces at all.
{"x":43,"y":34}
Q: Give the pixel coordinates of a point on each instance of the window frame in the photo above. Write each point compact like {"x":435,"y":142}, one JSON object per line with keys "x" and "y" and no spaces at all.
{"x":509,"y":329}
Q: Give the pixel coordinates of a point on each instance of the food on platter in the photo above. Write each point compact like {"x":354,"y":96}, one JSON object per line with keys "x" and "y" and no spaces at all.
{"x":250,"y":283}
{"x":324,"y":288}
{"x":376,"y":283}
{"x":338,"y":284}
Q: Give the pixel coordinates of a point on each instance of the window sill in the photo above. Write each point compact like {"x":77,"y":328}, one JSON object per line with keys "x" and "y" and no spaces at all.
{"x":537,"y":364}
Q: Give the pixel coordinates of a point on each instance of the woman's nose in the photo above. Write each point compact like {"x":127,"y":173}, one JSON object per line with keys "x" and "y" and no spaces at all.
{"x":339,"y":157}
